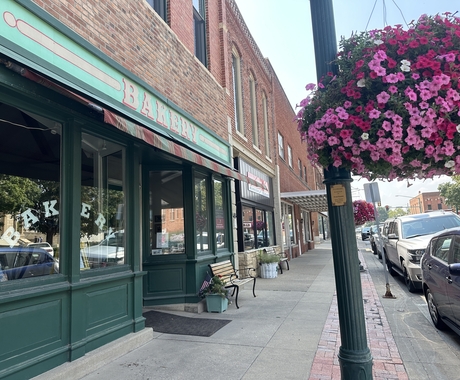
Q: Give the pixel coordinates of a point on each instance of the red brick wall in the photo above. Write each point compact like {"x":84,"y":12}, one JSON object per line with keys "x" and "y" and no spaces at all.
{"x":252,"y":62}
{"x":131,"y":33}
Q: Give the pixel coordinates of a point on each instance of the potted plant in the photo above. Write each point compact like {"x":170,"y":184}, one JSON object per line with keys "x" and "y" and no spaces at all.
{"x":215,"y":295}
{"x":392,"y":109}
{"x":268,"y":264}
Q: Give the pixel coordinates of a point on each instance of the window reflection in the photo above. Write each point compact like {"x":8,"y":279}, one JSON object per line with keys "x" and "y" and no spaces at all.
{"x":166,"y":212}
{"x":102,"y":204}
{"x":219,"y":204}
{"x":201,"y":215}
{"x":30,"y":157}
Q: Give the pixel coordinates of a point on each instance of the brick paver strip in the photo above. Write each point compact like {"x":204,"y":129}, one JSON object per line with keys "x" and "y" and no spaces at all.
{"x":387,"y":363}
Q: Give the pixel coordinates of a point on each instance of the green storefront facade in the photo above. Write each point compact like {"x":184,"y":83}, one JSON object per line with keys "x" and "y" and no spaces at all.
{"x":131,"y":192}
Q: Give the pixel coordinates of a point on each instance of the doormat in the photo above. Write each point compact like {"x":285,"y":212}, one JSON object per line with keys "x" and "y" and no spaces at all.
{"x":176,"y":324}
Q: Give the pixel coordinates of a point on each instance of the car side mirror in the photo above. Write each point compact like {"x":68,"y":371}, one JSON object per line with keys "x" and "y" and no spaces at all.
{"x":454,"y":269}
{"x":393,"y":236}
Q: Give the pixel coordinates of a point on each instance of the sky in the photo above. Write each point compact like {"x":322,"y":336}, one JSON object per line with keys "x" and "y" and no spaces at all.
{"x":284,"y":36}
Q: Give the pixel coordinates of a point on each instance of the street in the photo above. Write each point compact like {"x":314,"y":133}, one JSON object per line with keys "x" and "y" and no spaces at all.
{"x":426,"y":352}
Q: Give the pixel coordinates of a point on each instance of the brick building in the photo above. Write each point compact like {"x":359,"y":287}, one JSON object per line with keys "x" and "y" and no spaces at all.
{"x":427,"y":201}
{"x":140,"y":137}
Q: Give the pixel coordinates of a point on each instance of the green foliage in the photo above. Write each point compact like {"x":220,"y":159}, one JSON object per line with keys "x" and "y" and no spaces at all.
{"x":397,"y":212}
{"x":451,"y":192}
{"x":268,"y":258}
{"x":216,"y":286}
{"x":17,"y":194}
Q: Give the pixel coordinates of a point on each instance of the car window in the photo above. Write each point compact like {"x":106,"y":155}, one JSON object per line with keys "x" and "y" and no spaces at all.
{"x":441,"y":248}
{"x":429,"y":225}
{"x":455,"y":258}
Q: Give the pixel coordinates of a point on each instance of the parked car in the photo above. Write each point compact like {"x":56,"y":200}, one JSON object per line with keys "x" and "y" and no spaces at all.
{"x":440,"y":266}
{"x":365,"y":232}
{"x":24,"y":262}
{"x":376,"y":241}
{"x":110,"y":251}
{"x":44,"y":245}
{"x":406,"y":238}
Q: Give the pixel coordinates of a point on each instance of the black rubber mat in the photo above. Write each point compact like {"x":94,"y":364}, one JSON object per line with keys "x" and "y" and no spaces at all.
{"x":176,"y":324}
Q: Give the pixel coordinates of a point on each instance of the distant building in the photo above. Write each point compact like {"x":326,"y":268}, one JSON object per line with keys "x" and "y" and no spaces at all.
{"x":425,"y":202}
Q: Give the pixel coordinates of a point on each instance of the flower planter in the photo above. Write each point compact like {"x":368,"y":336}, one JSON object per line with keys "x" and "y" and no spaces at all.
{"x":269,"y":270}
{"x":216,"y":303}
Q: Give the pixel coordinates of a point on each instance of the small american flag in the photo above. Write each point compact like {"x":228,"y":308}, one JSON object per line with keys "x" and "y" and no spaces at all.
{"x":206,"y":282}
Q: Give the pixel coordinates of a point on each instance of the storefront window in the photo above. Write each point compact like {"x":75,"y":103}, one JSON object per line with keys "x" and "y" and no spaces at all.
{"x":102,"y":242}
{"x":166,"y":212}
{"x":288,"y":230}
{"x":248,"y":228}
{"x":270,"y":228}
{"x":30,"y":158}
{"x":219,"y":202}
{"x":203,"y":242}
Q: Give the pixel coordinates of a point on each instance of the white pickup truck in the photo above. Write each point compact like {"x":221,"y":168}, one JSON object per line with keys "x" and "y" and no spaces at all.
{"x":405,"y":239}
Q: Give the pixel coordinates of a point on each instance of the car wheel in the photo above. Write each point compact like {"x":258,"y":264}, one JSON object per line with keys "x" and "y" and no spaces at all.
{"x":409,"y":283}
{"x":390,"y":267}
{"x":433,"y":310}
{"x":379,"y":254}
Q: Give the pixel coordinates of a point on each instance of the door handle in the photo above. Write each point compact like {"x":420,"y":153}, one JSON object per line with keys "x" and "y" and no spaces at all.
{"x":449,"y":279}
{"x":429,"y":266}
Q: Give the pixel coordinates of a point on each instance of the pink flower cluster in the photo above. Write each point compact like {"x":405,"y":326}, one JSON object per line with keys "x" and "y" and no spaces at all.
{"x":363,"y":212}
{"x":393,"y":109}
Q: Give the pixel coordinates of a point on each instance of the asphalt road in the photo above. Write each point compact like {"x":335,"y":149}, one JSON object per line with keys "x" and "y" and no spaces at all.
{"x":426,"y":352}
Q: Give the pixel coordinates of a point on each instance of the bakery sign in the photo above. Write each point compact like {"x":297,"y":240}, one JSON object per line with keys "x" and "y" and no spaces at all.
{"x":262,"y":189}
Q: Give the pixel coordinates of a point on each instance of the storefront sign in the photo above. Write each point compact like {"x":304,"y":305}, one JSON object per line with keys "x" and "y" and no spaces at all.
{"x":11,"y":236}
{"x":262,"y":189}
{"x":96,"y":77}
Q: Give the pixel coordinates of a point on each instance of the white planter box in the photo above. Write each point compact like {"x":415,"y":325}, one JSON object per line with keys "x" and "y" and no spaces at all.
{"x":269,"y":270}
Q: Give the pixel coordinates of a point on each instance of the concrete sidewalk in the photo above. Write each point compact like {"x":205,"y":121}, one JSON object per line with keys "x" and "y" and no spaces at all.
{"x":289,"y":331}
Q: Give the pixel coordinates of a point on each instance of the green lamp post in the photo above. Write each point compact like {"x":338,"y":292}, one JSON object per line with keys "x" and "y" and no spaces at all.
{"x":354,"y":355}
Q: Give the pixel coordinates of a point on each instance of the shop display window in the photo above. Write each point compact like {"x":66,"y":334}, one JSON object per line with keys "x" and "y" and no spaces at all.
{"x":220,"y":206}
{"x":102,"y":232}
{"x":166,"y":212}
{"x":30,"y":159}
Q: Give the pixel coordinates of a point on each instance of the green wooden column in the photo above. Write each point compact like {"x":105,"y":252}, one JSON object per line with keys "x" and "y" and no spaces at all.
{"x":354,"y":355}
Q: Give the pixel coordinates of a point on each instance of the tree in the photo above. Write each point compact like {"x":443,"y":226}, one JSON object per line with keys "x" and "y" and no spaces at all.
{"x":397,"y":212}
{"x":451,"y":192}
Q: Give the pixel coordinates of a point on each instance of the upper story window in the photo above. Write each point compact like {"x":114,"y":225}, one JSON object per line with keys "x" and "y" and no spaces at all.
{"x":237,"y":93}
{"x":305,"y":173}
{"x":290,"y":156}
{"x":300,"y":167}
{"x":159,"y":6}
{"x":281,"y":145}
{"x":255,"y":129}
{"x":199,"y":15}
{"x":265,"y":116}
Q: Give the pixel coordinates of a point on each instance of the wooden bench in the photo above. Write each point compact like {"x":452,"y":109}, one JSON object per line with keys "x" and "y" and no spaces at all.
{"x":283,"y":258}
{"x":231,"y":278}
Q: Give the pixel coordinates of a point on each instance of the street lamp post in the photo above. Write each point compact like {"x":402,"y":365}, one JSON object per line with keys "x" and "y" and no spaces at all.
{"x":354,"y":355}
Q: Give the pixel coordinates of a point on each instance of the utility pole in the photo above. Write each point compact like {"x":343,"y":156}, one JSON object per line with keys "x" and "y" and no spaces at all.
{"x":354,"y":354}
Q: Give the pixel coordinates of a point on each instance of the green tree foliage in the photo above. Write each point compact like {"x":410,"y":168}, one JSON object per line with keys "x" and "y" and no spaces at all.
{"x":17,"y":194}
{"x":397,"y":212}
{"x":451,"y":192}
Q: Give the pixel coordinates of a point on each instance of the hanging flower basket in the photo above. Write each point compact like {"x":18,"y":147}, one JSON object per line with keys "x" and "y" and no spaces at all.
{"x":392,"y":110}
{"x":363,"y":212}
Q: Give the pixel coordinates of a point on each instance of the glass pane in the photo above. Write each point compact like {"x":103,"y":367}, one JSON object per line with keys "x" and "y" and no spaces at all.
{"x":102,"y":242}
{"x":248,"y":228}
{"x":201,"y":215}
{"x":270,"y":228}
{"x":166,"y":212}
{"x":219,"y":202}
{"x":30,"y":158}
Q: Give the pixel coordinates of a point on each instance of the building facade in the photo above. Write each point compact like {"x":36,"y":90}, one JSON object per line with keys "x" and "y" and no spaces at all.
{"x":138,"y":140}
{"x":427,"y":201}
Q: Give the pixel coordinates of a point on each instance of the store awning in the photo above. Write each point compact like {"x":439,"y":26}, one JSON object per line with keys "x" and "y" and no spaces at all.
{"x":312,"y":200}
{"x":141,"y":132}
